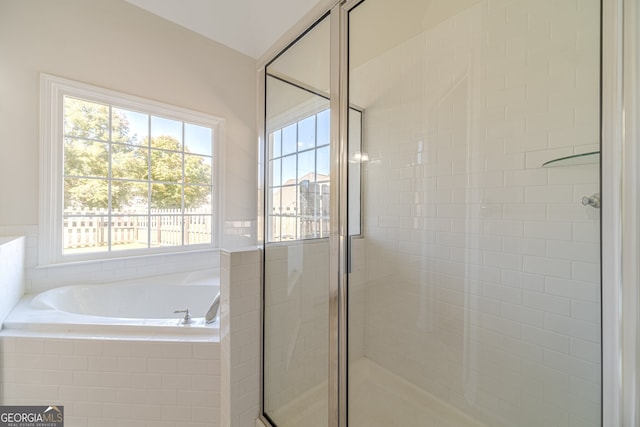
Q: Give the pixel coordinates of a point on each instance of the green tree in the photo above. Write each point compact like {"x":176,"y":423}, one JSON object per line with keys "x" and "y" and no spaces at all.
{"x":166,"y":168}
{"x":87,"y":128}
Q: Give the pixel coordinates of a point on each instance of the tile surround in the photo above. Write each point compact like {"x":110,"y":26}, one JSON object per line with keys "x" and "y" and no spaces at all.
{"x":115,"y":382}
{"x":476,"y":259}
{"x":240,"y":336}
{"x":132,"y":382}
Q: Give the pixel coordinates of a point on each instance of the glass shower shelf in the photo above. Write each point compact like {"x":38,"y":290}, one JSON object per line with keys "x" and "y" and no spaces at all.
{"x":592,"y":157}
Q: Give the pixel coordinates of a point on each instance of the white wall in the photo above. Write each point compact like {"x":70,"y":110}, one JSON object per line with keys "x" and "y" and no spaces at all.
{"x":118,"y":46}
{"x":482,"y":268}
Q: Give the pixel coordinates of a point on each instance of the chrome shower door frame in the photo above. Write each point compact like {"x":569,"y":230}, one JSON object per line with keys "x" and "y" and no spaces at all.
{"x":620,"y":208}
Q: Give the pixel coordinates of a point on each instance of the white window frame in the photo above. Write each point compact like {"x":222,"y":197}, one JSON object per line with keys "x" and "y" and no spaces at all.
{"x":53,"y":89}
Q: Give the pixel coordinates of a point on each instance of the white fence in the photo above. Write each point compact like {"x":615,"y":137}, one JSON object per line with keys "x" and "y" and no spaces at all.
{"x":163,"y":227}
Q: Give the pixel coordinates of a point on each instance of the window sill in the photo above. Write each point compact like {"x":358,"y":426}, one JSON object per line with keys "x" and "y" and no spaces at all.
{"x":125,"y":257}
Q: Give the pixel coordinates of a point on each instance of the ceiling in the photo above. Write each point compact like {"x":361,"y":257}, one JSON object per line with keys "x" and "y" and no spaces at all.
{"x":248,"y":26}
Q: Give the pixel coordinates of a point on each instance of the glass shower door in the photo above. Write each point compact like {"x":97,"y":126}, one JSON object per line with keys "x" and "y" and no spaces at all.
{"x":296,"y":267}
{"x":474,"y":287}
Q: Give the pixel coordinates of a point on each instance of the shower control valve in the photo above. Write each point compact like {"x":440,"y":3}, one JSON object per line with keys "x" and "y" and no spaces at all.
{"x":593,"y":201}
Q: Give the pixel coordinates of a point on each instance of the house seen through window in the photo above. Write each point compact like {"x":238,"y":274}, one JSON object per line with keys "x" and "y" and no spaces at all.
{"x":299,"y":180}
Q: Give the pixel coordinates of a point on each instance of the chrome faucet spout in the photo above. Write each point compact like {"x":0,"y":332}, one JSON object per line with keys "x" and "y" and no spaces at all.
{"x":187,"y":316}
{"x":210,"y":317}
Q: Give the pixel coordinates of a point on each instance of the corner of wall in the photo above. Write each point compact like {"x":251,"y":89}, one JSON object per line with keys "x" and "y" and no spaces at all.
{"x":240,"y":336}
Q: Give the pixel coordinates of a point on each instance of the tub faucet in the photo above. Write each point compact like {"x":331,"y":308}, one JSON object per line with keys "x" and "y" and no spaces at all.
{"x":210,"y":317}
{"x":187,"y":317}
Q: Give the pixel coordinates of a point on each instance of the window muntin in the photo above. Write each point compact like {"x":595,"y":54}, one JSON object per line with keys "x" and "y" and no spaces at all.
{"x":299,"y":180}
{"x":133,"y":183}
{"x":123,"y":175}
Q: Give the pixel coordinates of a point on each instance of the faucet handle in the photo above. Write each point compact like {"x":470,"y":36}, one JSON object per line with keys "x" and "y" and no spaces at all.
{"x":187,"y":317}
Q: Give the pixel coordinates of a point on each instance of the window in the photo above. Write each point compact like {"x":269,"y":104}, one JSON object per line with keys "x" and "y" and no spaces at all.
{"x":124,"y":175}
{"x":299,"y":179}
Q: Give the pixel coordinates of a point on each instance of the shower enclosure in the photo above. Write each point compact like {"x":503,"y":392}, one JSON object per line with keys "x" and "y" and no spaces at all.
{"x":432,"y":217}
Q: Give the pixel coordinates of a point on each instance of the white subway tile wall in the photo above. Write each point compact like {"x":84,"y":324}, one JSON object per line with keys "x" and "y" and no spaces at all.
{"x":296,"y":323}
{"x":140,"y":383}
{"x":481,"y":268}
{"x":240,"y":336}
{"x":113,"y":383}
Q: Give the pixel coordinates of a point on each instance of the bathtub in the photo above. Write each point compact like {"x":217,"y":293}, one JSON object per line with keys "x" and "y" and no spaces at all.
{"x":135,"y":310}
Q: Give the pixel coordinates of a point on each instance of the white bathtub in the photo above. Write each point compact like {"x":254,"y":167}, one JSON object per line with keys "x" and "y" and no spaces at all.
{"x":137,"y":310}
